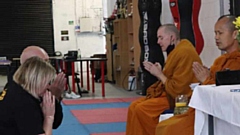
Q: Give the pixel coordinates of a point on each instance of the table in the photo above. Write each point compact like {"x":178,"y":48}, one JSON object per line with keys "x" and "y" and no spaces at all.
{"x":87,"y":59}
{"x":6,"y":63}
{"x":222,"y":103}
{"x":57,"y":60}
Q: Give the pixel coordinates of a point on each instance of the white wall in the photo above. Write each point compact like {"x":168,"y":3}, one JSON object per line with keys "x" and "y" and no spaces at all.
{"x":166,"y":16}
{"x":89,"y":14}
{"x":226,"y":6}
{"x":109,"y":6}
{"x":60,"y":22}
{"x":86,"y":13}
{"x":88,"y":46}
{"x":209,"y":13}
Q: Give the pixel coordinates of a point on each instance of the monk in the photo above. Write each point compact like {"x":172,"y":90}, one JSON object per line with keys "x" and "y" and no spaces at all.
{"x":143,"y":114}
{"x":225,"y":36}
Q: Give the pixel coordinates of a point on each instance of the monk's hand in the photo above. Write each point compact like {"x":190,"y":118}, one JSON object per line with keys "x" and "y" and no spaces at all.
{"x":158,"y":66}
{"x":154,"y":69}
{"x":58,"y":85}
{"x":147,"y":65}
{"x":160,"y":74}
{"x":201,"y":72}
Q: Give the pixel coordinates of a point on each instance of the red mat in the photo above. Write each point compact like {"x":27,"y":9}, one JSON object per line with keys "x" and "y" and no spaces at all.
{"x":121,"y":133}
{"x":96,"y":101}
{"x":101,"y":115}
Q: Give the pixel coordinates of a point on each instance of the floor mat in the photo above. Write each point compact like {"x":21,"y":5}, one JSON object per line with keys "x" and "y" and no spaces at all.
{"x":120,"y":133}
{"x":105,"y":115}
{"x":94,"y":101}
{"x":94,"y":116}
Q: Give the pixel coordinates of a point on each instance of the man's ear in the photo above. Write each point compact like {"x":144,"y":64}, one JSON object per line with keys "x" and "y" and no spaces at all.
{"x":235,"y":34}
{"x":171,"y":38}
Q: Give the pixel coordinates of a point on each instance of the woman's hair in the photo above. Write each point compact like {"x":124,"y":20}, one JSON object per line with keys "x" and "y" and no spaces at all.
{"x":34,"y":75}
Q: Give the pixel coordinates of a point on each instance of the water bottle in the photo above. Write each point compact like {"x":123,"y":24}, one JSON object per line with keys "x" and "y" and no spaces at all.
{"x":181,"y":104}
{"x":131,"y":82}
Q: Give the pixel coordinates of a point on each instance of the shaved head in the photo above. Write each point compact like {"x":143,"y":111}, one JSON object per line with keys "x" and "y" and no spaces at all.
{"x":226,"y":34}
{"x":228,"y":22}
{"x":171,"y":29}
{"x":32,"y":51}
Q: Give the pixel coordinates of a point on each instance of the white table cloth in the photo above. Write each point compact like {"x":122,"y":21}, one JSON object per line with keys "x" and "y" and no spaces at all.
{"x":223,"y":103}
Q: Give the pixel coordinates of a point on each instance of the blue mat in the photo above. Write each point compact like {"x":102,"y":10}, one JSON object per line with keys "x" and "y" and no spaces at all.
{"x":71,"y":126}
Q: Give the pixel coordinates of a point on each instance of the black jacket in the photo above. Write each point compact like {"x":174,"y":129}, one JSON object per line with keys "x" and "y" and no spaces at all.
{"x":21,"y":113}
{"x":58,"y":107}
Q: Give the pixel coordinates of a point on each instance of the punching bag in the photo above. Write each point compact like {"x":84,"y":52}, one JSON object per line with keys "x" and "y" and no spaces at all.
{"x":185,"y":14}
{"x":234,"y":7}
{"x":149,"y":12}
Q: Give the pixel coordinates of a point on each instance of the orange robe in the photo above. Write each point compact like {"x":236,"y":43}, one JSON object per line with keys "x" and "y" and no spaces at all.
{"x":184,"y":124}
{"x":143,"y":114}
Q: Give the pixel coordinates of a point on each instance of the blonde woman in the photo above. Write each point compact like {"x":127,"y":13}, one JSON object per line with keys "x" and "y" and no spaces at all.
{"x":27,"y":107}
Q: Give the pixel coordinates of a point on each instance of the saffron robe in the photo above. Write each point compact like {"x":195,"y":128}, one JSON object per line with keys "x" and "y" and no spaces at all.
{"x":143,"y":114}
{"x":184,"y":124}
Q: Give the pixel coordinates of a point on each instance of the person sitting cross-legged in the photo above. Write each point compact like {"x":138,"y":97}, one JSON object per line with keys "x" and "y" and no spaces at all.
{"x":226,"y":40}
{"x":174,"y":79}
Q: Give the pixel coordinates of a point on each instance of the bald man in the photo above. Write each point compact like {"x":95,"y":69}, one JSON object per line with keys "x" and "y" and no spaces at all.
{"x":32,"y":51}
{"x":173,"y":80}
{"x":56,"y":88}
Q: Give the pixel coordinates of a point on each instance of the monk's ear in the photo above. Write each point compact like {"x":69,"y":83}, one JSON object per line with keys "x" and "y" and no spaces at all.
{"x":235,"y":34}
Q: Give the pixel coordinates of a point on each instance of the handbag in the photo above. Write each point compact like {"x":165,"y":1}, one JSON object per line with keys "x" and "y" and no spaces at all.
{"x":227,"y":77}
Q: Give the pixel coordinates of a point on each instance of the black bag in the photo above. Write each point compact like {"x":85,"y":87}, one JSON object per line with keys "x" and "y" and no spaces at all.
{"x":71,"y":55}
{"x":228,"y":77}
